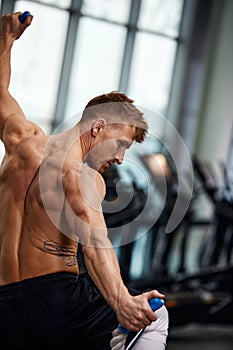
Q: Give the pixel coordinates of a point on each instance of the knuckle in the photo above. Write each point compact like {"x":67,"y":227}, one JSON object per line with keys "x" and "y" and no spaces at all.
{"x":144,"y":309}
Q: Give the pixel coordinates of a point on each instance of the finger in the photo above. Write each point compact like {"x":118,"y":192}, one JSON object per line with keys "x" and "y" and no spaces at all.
{"x":154,"y":294}
{"x":28,"y":21}
{"x":134,"y":327}
{"x":155,"y":303}
{"x":25,"y":18}
{"x":150,"y":317}
{"x":146,"y":315}
{"x":139,"y":324}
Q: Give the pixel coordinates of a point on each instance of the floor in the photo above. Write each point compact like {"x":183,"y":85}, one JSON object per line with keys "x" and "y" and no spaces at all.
{"x":199,"y":337}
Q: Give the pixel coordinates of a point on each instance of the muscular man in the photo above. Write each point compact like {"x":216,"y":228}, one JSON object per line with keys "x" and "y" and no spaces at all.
{"x":51,"y":192}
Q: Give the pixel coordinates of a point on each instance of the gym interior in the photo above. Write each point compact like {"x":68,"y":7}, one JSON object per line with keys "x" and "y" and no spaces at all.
{"x":169,"y":206}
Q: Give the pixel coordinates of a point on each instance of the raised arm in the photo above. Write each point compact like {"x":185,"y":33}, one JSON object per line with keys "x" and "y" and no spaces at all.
{"x":10,"y":30}
{"x":85,"y":218}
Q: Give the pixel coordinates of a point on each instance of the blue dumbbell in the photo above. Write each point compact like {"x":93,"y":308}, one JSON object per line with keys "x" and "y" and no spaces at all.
{"x":24,"y":16}
{"x":155,"y":304}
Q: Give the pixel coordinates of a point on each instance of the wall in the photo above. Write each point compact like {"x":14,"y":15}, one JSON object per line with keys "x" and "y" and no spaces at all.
{"x":216,"y":116}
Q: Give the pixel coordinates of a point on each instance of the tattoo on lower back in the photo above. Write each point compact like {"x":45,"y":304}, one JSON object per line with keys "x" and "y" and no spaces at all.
{"x":61,"y":251}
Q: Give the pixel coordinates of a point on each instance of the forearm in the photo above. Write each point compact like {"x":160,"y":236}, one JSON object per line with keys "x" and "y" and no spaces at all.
{"x":103,"y":267}
{"x":7,"y":104}
{"x":5,"y":67}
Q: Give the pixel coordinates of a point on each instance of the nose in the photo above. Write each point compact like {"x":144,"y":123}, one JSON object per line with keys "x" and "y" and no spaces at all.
{"x":119,"y":156}
{"x":119,"y":160}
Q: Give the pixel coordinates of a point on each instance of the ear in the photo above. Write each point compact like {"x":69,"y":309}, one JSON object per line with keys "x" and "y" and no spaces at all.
{"x":98,"y":126}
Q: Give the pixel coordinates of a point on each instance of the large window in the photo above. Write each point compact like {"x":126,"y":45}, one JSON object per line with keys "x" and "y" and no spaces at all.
{"x":97,"y":62}
{"x":76,"y":49}
{"x":151,"y":70}
{"x":101,"y":51}
{"x":114,"y":10}
{"x":36,"y":61}
{"x":161,"y":16}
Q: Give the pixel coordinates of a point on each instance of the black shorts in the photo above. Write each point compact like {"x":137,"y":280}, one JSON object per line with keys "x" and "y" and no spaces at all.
{"x":58,"y":310}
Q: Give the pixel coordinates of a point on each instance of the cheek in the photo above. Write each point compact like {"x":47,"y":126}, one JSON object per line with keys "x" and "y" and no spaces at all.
{"x":104,"y":148}
{"x":104,"y":151}
{"x":108,"y":147}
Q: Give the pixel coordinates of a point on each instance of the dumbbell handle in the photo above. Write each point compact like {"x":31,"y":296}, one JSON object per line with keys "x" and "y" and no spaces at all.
{"x":24,"y":16}
{"x":155,"y":304}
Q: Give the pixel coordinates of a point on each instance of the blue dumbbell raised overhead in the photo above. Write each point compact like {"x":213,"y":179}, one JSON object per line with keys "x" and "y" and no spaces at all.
{"x":24,"y":16}
{"x":155,"y":304}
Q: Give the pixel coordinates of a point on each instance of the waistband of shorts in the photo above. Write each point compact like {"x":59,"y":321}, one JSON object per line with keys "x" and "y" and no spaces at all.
{"x":16,"y":287}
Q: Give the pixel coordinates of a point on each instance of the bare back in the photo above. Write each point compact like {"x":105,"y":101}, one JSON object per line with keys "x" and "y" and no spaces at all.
{"x":30,"y":243}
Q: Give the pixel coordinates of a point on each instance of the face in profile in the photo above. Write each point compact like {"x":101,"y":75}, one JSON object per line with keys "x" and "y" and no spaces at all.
{"x":110,"y":146}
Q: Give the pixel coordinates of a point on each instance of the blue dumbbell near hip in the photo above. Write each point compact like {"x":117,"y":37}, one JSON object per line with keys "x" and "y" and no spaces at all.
{"x":155,"y":304}
{"x":24,"y":16}
{"x":120,"y":334}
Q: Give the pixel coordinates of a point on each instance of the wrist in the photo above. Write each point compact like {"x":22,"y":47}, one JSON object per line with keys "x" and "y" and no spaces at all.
{"x":6,"y":42}
{"x":121,"y":296}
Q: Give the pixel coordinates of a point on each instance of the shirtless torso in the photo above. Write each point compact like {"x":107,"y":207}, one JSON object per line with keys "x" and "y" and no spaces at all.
{"x":30,"y":245}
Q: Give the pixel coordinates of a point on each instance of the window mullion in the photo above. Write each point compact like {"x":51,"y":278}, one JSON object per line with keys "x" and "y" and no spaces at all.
{"x":129,"y":45}
{"x":67,"y":63}
{"x":7,"y":6}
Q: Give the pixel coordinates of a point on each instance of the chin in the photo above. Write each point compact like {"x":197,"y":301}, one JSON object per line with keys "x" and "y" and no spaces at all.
{"x":103,"y":168}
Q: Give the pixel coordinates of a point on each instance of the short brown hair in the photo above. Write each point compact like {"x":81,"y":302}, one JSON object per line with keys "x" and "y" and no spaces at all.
{"x":123,"y":111}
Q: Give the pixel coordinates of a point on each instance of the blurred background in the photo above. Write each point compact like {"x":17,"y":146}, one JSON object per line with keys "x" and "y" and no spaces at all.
{"x":174,"y":58}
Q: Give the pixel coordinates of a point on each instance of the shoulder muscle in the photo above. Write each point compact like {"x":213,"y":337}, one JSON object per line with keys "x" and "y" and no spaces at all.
{"x":17,"y":129}
{"x":85,"y":187}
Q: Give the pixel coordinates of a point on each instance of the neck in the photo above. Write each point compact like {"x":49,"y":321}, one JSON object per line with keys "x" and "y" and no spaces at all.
{"x":70,"y":143}
{"x":84,"y":140}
